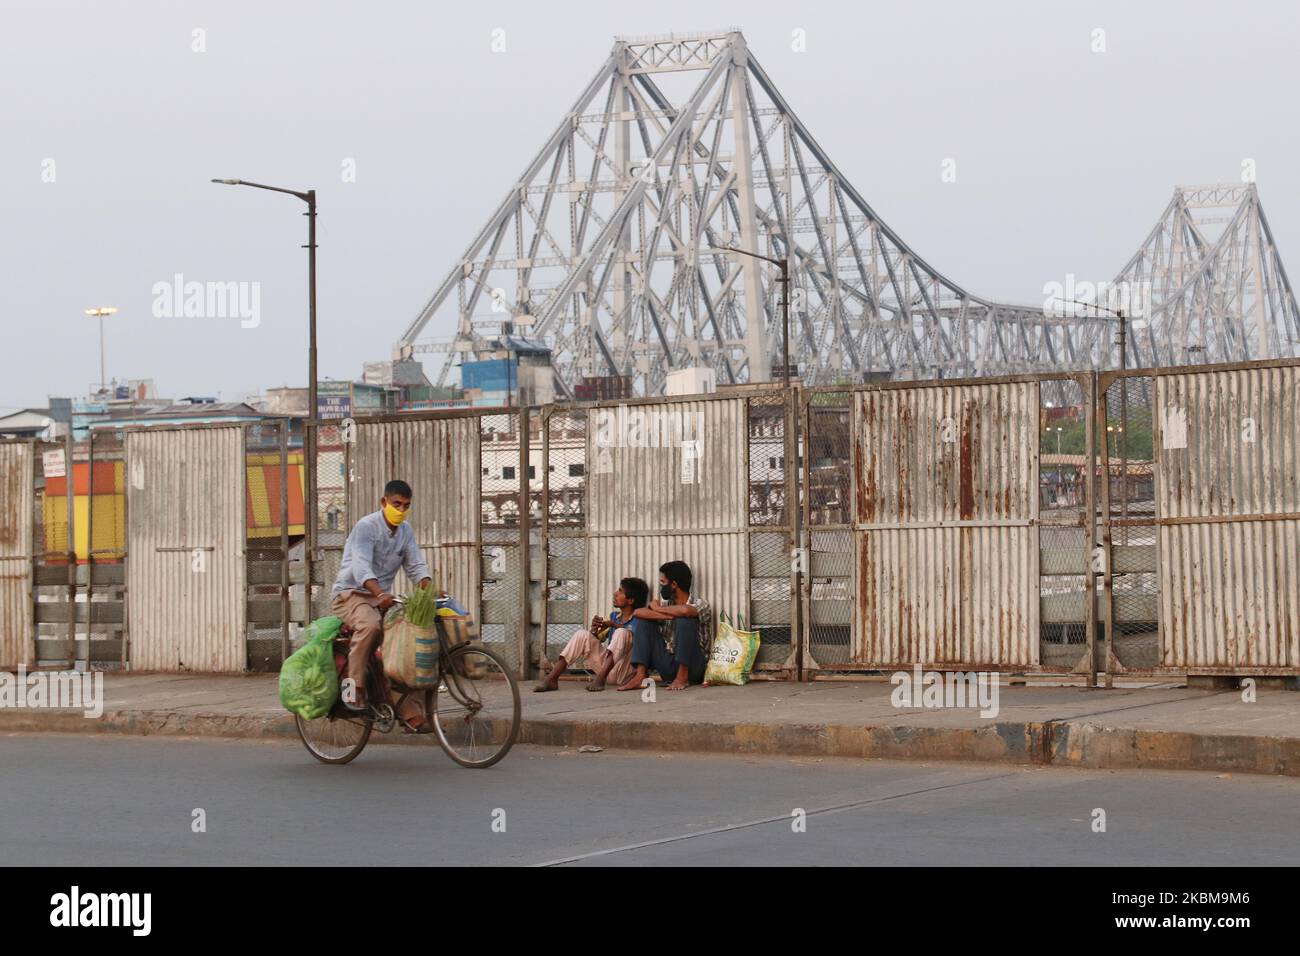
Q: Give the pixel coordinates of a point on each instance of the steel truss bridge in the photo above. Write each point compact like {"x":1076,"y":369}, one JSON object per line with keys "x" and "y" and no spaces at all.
{"x":616,"y":247}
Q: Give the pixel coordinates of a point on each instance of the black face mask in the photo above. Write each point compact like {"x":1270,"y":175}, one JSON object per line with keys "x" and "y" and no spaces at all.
{"x":666,"y":592}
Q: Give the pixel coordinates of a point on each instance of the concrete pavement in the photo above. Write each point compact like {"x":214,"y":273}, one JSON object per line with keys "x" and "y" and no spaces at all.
{"x":1143,"y":726}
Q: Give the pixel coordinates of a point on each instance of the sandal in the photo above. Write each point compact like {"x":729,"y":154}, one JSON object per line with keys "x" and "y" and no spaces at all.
{"x":425,"y":727}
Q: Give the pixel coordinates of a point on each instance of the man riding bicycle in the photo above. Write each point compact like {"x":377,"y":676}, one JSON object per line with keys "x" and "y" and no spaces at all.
{"x":377,"y":546}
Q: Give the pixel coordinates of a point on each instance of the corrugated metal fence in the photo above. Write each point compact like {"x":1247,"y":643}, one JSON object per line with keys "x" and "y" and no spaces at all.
{"x":946,"y":507}
{"x":16,"y":620}
{"x":185,"y":579}
{"x":1228,"y":487}
{"x":440,"y":459}
{"x":1103,"y":525}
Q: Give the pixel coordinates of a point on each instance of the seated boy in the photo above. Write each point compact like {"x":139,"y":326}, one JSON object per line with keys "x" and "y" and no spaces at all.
{"x":608,"y":661}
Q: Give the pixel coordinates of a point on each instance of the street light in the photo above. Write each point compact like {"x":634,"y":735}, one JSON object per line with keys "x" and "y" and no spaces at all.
{"x":785,"y":302}
{"x":309,"y":436}
{"x":1118,"y":314}
{"x":1058,"y":456}
{"x":101,"y":311}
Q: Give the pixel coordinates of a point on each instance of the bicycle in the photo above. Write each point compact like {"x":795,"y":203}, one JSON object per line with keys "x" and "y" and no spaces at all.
{"x":474,"y":709}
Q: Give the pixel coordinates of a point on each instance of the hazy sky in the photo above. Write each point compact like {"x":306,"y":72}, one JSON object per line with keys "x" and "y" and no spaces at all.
{"x":1065,"y":157}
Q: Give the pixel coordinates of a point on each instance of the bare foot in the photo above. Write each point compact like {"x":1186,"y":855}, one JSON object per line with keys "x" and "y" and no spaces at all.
{"x":596,"y":685}
{"x":632,"y":683}
{"x":678,"y":685}
{"x":542,"y":686}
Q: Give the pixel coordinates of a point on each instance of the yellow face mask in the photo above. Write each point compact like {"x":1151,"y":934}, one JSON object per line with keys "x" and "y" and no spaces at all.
{"x":393,"y":516}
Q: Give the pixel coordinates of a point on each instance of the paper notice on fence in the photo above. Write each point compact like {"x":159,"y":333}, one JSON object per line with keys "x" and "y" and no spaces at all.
{"x":1173,"y":427}
{"x":691,"y":462}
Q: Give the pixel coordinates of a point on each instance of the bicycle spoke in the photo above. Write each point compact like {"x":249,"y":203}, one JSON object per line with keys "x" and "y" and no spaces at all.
{"x":477,"y":708}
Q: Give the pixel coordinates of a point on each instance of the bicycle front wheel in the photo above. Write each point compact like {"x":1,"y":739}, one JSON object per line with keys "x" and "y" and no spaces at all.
{"x":475,"y":706}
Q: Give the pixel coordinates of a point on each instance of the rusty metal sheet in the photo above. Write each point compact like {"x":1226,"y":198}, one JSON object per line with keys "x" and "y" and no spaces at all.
{"x":186,"y":575}
{"x":1229,"y":443}
{"x":946,"y":501}
{"x":17,"y":479}
{"x":943,"y":455}
{"x":439,"y":458}
{"x":641,"y":475}
{"x":1228,"y":470}
{"x":652,"y":498}
{"x":719,"y":565}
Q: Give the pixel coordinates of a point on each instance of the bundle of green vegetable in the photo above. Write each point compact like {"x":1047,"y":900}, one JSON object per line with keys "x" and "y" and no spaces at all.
{"x":421,"y":607}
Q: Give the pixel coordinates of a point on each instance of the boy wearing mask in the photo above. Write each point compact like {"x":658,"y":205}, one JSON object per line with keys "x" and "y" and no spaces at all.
{"x":678,"y":652}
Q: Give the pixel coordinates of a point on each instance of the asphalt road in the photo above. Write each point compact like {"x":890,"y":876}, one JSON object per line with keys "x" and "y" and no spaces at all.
{"x":99,"y":800}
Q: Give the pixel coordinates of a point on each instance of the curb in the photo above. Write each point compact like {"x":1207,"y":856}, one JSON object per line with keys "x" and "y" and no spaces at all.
{"x":1049,"y":743}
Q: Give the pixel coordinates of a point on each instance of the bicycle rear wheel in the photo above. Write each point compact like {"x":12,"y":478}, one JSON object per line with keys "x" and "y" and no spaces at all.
{"x":333,"y":739}
{"x":475,"y":706}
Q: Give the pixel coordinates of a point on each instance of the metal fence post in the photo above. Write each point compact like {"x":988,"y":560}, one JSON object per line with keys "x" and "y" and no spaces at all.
{"x":1089,"y":472}
{"x":284,"y":540}
{"x":70,"y":487}
{"x":544,"y":625}
{"x":309,"y":515}
{"x":802,"y":462}
{"x":32,"y":560}
{"x":126,"y":554}
{"x":1090,"y":494}
{"x":792,"y":518}
{"x":1108,"y":582}
{"x":90,"y":542}
{"x":525,"y":550}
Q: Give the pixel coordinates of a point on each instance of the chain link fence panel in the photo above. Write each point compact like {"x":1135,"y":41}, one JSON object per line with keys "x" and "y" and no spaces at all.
{"x":563,"y":528}
{"x":826,"y":469}
{"x":772,"y":557}
{"x":1064,"y":531}
{"x":1132,"y":613}
{"x":501,"y":547}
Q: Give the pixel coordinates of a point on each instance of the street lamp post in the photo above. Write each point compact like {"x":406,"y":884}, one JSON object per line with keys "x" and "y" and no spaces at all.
{"x":1059,"y":480}
{"x":101,"y":311}
{"x":785,"y":304}
{"x":309,"y":430}
{"x":1118,"y":315}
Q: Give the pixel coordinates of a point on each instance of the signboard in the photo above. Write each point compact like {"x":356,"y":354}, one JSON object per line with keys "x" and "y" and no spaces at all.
{"x":333,"y":399}
{"x":333,"y":406}
{"x":52,"y":464}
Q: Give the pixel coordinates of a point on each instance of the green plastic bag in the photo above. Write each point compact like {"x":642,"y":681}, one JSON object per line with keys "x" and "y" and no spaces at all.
{"x":733,"y":654}
{"x":309,"y":685}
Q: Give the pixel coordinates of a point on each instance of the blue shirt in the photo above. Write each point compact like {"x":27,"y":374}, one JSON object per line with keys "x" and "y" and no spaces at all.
{"x":636,"y":625}
{"x":373,"y":550}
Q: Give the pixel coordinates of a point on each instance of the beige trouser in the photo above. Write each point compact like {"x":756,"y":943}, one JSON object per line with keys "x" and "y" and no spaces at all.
{"x":360,"y":611}
{"x":583,"y":646}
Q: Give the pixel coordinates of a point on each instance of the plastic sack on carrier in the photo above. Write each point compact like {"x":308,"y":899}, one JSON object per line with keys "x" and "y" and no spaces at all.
{"x":457,"y":626}
{"x":733,"y":654}
{"x":309,"y":684}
